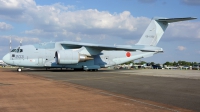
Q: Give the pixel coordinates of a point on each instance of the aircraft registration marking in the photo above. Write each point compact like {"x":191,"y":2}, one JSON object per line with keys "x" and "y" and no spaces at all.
{"x":19,"y":56}
{"x":149,"y":36}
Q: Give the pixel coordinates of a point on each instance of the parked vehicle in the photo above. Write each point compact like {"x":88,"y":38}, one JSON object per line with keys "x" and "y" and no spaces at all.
{"x":185,"y":67}
{"x":195,"y":67}
{"x":156,"y":67}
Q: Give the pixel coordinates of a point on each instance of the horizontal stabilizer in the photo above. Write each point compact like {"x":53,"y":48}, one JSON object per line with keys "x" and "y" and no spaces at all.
{"x":170,"y":20}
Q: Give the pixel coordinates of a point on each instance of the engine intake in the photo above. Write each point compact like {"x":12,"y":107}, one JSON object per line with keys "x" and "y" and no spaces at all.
{"x":70,"y":57}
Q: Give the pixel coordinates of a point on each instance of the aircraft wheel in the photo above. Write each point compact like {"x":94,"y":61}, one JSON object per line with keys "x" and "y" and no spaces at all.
{"x":95,"y":69}
{"x":19,"y":69}
{"x":91,"y":70}
{"x":78,"y":69}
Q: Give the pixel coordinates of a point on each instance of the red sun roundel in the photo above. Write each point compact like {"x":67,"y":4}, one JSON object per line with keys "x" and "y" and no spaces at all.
{"x":128,"y":54}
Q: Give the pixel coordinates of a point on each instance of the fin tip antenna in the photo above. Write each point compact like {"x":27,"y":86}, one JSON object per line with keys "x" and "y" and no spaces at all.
{"x":21,"y":42}
{"x":10,"y":43}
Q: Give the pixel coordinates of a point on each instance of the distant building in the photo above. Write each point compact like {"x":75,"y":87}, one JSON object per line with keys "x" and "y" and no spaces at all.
{"x":2,"y":63}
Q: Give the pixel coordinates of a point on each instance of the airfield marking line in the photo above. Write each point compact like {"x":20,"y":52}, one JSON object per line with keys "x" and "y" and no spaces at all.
{"x":25,"y":83}
{"x":161,"y":74}
{"x":97,"y":78}
{"x":167,"y":76}
{"x":119,"y":72}
{"x":4,"y":84}
{"x":118,"y":96}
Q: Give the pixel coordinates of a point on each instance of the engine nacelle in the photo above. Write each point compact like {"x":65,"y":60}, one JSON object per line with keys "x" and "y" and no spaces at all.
{"x":70,"y":57}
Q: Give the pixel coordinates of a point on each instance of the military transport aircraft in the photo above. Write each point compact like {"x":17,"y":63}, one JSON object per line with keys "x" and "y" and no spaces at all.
{"x":86,"y":56}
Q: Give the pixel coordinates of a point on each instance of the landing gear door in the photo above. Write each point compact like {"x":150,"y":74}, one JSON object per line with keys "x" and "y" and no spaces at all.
{"x":40,"y":61}
{"x":109,"y":61}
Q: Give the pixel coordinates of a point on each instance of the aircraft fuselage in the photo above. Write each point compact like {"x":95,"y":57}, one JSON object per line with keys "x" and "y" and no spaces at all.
{"x":32,"y":56}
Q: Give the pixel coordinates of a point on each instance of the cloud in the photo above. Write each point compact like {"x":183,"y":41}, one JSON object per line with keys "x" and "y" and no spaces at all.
{"x":50,"y":20}
{"x":4,"y":26}
{"x":181,"y":48}
{"x":78,"y":39}
{"x":147,"y":1}
{"x":131,"y":42}
{"x":59,"y":22}
{"x":16,"y":40}
{"x":185,"y":30}
{"x":15,"y":10}
{"x":191,"y":2}
{"x":85,"y":19}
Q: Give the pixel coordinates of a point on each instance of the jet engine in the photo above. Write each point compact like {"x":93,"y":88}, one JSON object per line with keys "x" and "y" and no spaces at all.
{"x":70,"y":57}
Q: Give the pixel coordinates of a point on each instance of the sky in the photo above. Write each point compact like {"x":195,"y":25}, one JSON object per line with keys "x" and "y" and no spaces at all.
{"x":108,"y":22}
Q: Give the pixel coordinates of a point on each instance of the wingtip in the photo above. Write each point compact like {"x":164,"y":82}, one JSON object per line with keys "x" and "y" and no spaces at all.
{"x":194,"y":17}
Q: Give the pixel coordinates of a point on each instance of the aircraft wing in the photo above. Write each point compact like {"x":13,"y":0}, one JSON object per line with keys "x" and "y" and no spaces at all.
{"x":98,"y":47}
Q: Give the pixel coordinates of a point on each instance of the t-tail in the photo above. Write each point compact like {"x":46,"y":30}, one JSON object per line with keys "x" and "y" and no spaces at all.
{"x":156,"y":29}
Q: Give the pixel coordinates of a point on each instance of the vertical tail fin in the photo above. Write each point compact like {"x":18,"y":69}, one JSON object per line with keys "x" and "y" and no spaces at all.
{"x":156,"y":29}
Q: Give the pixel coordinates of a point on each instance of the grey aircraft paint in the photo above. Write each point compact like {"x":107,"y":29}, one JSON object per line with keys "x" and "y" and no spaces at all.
{"x":89,"y":56}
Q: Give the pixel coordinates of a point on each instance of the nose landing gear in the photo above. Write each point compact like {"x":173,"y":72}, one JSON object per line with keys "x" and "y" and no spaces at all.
{"x":19,"y":69}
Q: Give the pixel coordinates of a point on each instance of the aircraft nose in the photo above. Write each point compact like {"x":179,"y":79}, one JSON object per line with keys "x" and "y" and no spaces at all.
{"x":6,"y":58}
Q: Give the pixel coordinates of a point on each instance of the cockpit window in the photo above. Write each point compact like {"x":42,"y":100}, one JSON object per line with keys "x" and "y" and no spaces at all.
{"x":17,"y":50}
{"x":13,"y":50}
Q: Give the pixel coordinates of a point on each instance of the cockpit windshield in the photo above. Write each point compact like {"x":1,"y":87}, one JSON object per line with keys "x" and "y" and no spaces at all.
{"x":17,"y":50}
{"x":13,"y":50}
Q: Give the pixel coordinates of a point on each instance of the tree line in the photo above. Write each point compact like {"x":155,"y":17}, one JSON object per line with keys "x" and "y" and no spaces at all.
{"x":181,"y":63}
{"x":178,"y":63}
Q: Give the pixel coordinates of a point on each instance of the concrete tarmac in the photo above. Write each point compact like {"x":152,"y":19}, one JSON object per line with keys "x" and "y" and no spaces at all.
{"x":179,"y":88}
{"x":20,"y":92}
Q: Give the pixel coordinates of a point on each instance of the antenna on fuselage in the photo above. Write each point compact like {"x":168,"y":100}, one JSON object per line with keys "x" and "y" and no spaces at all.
{"x":20,"y":43}
{"x":10,"y":47}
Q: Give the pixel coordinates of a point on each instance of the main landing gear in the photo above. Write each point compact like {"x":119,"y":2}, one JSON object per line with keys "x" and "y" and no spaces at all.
{"x":92,"y":70}
{"x":81,"y":69}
